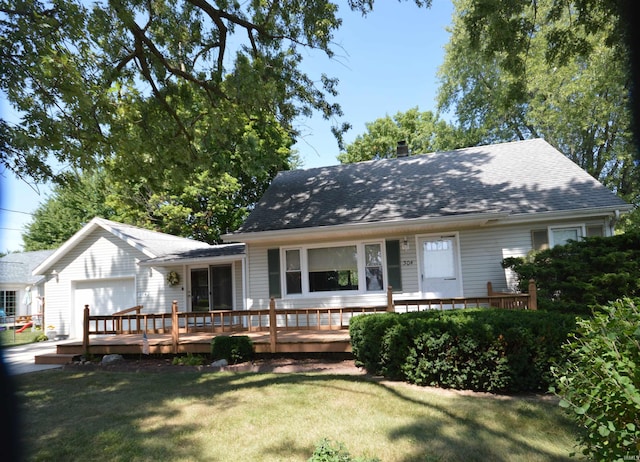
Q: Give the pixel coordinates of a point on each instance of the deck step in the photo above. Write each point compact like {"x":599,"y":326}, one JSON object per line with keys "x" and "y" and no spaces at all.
{"x":56,"y":358}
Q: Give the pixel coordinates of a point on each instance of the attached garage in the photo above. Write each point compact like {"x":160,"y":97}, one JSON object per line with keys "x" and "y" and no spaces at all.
{"x":104,"y":297}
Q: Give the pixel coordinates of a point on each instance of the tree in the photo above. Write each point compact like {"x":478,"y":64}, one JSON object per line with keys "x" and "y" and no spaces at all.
{"x":424,"y":132}
{"x":73,"y":72}
{"x":187,"y":106}
{"x":516,"y":85}
{"x":66,"y":210}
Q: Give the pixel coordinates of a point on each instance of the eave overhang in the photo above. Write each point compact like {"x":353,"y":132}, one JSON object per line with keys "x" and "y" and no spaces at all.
{"x":430,"y":224}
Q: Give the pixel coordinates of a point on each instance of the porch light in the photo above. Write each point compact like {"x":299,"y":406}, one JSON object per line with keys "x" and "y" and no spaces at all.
{"x":405,"y":243}
{"x":54,"y":273}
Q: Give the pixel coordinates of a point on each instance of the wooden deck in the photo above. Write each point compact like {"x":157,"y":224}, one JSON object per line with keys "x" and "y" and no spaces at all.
{"x":306,"y":330}
{"x":308,"y":341}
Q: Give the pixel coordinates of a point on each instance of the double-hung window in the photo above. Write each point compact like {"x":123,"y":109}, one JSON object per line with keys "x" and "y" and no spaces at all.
{"x":293,"y":272}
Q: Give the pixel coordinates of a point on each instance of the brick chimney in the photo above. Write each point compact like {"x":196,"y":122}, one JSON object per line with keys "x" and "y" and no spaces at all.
{"x":403,"y":149}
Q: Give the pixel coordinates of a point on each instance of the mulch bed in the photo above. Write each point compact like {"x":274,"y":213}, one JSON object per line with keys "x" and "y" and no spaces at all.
{"x":327,"y":365}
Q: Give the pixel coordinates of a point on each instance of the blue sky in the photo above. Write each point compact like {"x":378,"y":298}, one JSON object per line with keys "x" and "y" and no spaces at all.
{"x":386,"y":63}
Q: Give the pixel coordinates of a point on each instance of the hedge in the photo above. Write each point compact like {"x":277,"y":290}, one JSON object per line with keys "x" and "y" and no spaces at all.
{"x":473,"y":349}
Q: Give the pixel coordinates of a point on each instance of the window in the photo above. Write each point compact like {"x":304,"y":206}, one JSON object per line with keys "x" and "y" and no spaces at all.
{"x":333,"y":268}
{"x":542,"y":239}
{"x":8,"y":302}
{"x":293,"y":272}
{"x":373,"y":266}
{"x":561,"y":236}
{"x":595,"y":231}
{"x":539,"y":239}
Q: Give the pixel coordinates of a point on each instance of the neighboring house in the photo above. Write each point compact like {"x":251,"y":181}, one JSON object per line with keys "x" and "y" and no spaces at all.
{"x":112,"y":266}
{"x":429,"y":226}
{"x":21,"y":293}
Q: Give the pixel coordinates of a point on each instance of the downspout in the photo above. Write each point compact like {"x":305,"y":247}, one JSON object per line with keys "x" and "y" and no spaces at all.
{"x":613,"y":221}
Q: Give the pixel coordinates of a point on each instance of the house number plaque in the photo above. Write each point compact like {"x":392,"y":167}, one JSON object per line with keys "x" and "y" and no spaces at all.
{"x":407,"y":262}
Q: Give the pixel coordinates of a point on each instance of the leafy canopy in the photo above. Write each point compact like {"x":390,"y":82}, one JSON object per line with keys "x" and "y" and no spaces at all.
{"x":550,"y":69}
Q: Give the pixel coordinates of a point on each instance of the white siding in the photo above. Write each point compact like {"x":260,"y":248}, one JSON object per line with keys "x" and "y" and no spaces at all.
{"x":481,"y":253}
{"x":97,"y":257}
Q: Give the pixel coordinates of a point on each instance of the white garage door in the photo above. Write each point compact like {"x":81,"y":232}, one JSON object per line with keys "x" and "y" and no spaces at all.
{"x":104,"y":297}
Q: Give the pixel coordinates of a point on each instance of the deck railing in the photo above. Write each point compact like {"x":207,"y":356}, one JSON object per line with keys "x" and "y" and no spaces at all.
{"x":274,"y":320}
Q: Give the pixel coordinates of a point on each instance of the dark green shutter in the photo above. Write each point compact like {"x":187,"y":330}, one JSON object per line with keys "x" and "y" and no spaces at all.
{"x":393,"y":265}
{"x":273,"y":257}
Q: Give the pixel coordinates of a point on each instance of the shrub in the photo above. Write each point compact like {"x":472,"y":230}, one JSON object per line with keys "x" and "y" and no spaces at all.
{"x":582,"y":274}
{"x":600,"y":382}
{"x":476,"y":349}
{"x":366,"y":333}
{"x":327,"y":452}
{"x":235,"y":349}
{"x":188,"y":360}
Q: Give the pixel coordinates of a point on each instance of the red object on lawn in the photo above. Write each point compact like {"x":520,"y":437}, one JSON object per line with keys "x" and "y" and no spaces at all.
{"x":23,"y":328}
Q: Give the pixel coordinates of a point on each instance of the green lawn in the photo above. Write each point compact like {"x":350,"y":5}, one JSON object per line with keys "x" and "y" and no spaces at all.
{"x":9,"y":338}
{"x":205,"y":416}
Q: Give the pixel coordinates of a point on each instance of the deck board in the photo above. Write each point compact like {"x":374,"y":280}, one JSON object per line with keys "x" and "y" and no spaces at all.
{"x":304,"y":341}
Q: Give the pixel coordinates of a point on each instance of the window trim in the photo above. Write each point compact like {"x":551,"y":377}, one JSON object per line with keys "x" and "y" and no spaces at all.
{"x":361,"y":268}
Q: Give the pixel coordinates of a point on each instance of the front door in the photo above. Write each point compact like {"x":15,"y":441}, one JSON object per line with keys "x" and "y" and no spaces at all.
{"x":212,"y":288}
{"x":440,"y":272}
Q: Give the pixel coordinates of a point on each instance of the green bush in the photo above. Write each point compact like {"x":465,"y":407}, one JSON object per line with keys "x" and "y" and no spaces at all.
{"x":476,"y":349}
{"x":366,"y":334}
{"x":600,"y":381}
{"x":327,"y":452}
{"x":582,"y":274}
{"x":188,"y":360}
{"x":235,"y":349}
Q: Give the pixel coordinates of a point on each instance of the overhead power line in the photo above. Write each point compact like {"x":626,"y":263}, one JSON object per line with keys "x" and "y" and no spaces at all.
{"x":16,"y":211}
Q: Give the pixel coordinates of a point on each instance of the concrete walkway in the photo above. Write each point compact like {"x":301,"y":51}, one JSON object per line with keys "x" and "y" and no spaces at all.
{"x":21,"y":359}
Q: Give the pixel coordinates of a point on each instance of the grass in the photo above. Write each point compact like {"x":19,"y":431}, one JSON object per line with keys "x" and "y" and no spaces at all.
{"x":204,"y":416}
{"x":7,"y":337}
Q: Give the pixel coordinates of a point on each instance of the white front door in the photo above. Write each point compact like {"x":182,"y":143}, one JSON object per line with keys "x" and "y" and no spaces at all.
{"x":440,"y":267}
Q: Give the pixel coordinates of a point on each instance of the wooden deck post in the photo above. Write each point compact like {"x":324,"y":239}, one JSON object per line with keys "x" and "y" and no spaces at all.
{"x":175,"y":334}
{"x":85,"y":331}
{"x":273,"y":326}
{"x":390,"y":307}
{"x":533,"y":295}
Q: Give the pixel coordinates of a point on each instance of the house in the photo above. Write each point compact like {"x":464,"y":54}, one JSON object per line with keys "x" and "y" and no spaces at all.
{"x":21,"y":293}
{"x":111,"y":267}
{"x":429,"y":226}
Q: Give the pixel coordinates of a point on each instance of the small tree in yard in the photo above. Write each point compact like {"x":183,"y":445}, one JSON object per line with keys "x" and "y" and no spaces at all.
{"x":600,"y":381}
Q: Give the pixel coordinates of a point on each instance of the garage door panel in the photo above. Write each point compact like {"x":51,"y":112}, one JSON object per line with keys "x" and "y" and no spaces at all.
{"x":104,"y":297}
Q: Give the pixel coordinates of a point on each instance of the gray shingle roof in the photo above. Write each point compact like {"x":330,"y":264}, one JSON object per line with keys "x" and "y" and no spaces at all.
{"x":159,"y":244}
{"x":522,"y":177}
{"x":223,"y":250}
{"x":16,"y":268}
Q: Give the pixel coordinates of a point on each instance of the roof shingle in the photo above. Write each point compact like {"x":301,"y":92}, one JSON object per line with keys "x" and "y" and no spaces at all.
{"x":522,"y":177}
